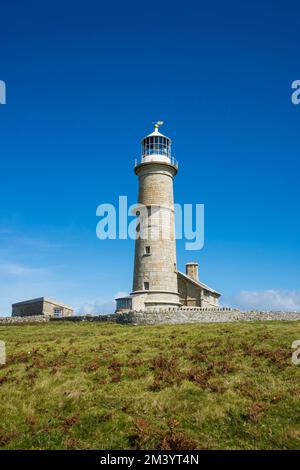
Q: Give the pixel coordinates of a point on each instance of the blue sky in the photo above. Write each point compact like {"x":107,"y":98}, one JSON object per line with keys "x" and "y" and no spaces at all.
{"x":84,"y":82}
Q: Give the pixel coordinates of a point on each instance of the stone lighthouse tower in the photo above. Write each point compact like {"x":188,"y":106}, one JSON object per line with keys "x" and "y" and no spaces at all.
{"x":155,"y":275}
{"x":157,"y":284}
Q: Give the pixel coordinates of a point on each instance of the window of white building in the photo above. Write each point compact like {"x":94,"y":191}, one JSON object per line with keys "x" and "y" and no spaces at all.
{"x":57,"y":312}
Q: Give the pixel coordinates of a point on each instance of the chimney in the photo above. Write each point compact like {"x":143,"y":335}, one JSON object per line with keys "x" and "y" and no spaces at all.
{"x":191,"y":270}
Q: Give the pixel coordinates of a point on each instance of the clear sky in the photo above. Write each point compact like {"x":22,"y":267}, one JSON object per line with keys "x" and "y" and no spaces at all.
{"x":85,"y":80}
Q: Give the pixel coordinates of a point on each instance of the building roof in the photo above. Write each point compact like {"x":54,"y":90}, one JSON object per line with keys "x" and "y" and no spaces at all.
{"x":42,"y":299}
{"x":156,"y":133}
{"x":198,"y":283}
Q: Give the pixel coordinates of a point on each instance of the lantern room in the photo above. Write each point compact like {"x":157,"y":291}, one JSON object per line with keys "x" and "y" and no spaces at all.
{"x":156,"y":146}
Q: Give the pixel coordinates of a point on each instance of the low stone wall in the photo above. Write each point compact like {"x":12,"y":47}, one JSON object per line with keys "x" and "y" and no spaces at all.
{"x":93,"y":318}
{"x":202,"y":316}
{"x":22,"y":320}
{"x":46,"y":319}
{"x":171,"y":317}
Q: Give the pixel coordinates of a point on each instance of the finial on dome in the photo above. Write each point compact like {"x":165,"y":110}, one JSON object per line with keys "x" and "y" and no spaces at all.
{"x":157,"y":125}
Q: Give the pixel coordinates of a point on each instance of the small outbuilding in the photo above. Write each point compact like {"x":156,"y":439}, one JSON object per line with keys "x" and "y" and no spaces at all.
{"x":194,"y":293}
{"x":41,"y":306}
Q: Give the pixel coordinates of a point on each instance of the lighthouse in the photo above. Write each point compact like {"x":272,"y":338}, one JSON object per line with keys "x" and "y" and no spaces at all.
{"x":155,"y":275}
{"x":157,"y":283}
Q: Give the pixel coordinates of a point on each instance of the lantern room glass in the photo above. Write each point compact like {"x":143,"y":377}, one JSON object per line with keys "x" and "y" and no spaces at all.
{"x":156,"y":145}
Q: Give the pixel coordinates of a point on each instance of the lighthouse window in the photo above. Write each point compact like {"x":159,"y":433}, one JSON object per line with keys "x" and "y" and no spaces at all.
{"x":156,"y":145}
{"x":147,"y":250}
{"x":146,"y":285}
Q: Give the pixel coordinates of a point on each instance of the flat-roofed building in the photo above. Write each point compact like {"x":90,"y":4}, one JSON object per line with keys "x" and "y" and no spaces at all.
{"x":41,"y":306}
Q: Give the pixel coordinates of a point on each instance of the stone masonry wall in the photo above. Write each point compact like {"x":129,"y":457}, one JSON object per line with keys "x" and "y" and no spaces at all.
{"x":171,"y":317}
{"x":202,"y":316}
{"x":157,"y":268}
{"x":48,"y":309}
{"x":21,"y":320}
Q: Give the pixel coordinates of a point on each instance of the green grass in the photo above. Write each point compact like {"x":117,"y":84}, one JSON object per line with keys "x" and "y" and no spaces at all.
{"x":106,"y":386}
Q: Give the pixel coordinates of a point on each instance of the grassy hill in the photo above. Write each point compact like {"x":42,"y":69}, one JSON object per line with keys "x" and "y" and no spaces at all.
{"x":107,"y":386}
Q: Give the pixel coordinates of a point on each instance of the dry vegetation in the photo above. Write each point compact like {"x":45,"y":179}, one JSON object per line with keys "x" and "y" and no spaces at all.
{"x":106,"y":386}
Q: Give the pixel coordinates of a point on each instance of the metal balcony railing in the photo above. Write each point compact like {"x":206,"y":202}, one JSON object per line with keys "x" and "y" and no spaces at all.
{"x":140,"y":160}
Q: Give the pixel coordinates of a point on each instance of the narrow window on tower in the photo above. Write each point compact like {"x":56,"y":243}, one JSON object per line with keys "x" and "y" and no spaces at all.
{"x":138,"y":225}
{"x":147,"y":250}
{"x":146,"y":285}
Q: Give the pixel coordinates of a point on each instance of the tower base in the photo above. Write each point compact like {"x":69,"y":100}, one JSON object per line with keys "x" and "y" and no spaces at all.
{"x":143,"y":301}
